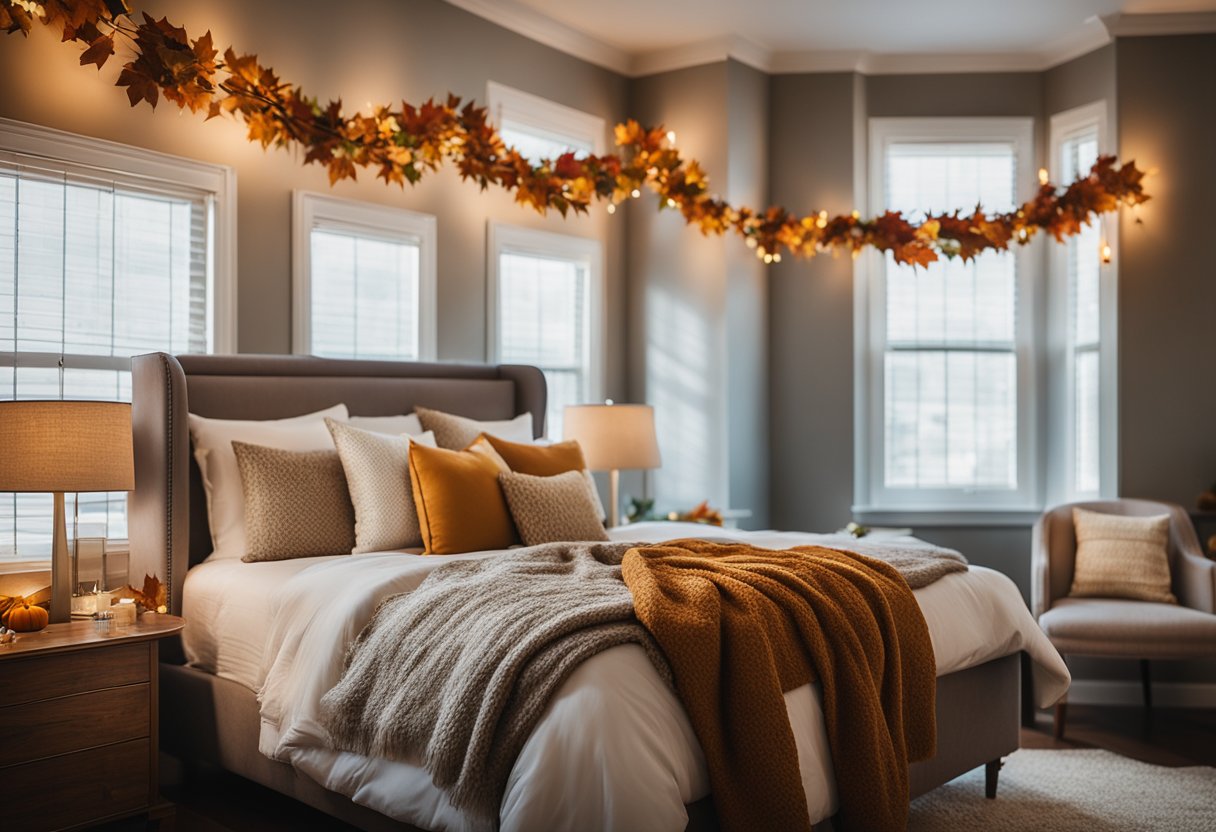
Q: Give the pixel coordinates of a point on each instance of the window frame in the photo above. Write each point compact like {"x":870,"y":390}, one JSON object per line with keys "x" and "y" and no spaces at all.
{"x":503,"y":237}
{"x":161,"y":171}
{"x":131,"y":162}
{"x":372,"y":219}
{"x":873,"y":501}
{"x":547,"y":117}
{"x":1063,"y":126}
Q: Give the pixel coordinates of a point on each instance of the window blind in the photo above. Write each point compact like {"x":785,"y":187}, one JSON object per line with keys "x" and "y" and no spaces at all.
{"x":1078,"y":154}
{"x":95,"y":266}
{"x":365,"y":294}
{"x":950,"y":363}
{"x":544,"y":320}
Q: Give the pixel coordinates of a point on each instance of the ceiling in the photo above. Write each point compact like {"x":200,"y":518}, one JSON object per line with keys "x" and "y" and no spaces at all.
{"x":638,"y":37}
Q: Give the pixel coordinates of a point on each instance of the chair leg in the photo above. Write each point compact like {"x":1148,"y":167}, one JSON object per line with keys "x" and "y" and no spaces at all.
{"x":1060,"y":716}
{"x":1146,"y":682}
{"x":992,"y":770}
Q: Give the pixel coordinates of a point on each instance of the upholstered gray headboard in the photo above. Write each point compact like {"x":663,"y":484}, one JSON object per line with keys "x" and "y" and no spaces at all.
{"x":168,"y":512}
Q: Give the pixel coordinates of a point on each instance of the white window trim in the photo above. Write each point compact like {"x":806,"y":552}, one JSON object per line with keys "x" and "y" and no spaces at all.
{"x":137,"y":162}
{"x":872,"y":502}
{"x":548,"y":117}
{"x":502,"y":237}
{"x":365,"y":217}
{"x":1063,"y":126}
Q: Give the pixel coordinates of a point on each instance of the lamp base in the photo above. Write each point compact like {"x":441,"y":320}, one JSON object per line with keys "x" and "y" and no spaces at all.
{"x":614,"y":489}
{"x":61,"y":566}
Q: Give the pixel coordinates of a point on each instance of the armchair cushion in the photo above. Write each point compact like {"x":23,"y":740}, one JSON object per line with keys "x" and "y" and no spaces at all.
{"x":1121,"y":557}
{"x":1129,"y":629}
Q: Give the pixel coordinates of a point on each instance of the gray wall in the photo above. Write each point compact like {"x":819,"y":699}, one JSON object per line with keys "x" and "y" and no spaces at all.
{"x":388,"y":50}
{"x":698,"y":305}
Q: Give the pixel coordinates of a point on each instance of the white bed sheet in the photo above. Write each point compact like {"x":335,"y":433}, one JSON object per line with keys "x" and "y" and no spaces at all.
{"x":614,"y":749}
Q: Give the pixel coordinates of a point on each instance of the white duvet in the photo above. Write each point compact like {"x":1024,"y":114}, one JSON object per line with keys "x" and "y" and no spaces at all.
{"x":614,"y":749}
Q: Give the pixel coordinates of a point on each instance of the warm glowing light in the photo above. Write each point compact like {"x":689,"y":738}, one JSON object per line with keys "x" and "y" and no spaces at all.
{"x":1106,"y":253}
{"x":1022,"y":235}
{"x":635,"y":193}
{"x":777,"y":258}
{"x":768,"y":258}
{"x":751,"y":242}
{"x":671,"y":136}
{"x":856,"y":214}
{"x":1043,"y":176}
{"x":611,"y":207}
{"x":671,"y":203}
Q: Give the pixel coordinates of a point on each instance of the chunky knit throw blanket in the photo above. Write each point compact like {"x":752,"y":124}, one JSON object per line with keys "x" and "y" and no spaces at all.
{"x":742,"y":625}
{"x":456,"y":674}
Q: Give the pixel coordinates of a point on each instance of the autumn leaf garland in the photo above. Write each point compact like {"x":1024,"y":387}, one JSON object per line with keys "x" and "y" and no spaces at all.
{"x":402,"y":145}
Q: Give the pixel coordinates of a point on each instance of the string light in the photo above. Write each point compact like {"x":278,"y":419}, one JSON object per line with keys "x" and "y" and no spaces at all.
{"x":671,"y":203}
{"x":611,"y":207}
{"x":635,"y":193}
{"x":1106,"y":253}
{"x":671,"y":136}
{"x":1044,"y":178}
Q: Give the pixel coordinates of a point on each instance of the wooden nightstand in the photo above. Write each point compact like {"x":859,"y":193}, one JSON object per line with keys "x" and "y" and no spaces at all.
{"x":78,"y":724}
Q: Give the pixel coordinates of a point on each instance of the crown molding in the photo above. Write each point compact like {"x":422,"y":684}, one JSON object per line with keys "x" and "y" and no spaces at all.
{"x":1140,"y":25}
{"x":1094,"y":34}
{"x":545,"y":30}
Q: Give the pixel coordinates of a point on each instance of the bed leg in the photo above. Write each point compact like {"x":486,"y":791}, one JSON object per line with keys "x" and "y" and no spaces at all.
{"x":992,"y":770}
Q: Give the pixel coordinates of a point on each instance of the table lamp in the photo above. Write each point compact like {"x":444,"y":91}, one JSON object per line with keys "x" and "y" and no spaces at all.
{"x":65,"y":446}
{"x":613,"y":436}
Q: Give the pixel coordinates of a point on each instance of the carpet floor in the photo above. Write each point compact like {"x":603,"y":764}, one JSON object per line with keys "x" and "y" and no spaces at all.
{"x":1090,"y":790}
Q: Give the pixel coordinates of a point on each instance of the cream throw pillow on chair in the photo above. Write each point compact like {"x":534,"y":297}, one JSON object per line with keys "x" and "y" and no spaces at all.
{"x":1121,"y":557}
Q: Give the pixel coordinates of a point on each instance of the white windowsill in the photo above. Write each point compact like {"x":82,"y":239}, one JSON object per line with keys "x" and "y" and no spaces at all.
{"x":922,"y":517}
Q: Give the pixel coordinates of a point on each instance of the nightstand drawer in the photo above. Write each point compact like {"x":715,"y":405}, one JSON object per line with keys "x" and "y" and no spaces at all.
{"x":60,"y":674}
{"x":77,"y":788}
{"x":35,"y":730}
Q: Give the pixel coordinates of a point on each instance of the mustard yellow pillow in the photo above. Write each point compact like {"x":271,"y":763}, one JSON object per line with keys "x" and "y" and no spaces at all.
{"x":539,"y":461}
{"x":1121,"y":557}
{"x":460,"y":504}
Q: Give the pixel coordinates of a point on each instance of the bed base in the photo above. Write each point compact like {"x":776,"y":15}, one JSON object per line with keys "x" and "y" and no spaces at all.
{"x":206,"y":719}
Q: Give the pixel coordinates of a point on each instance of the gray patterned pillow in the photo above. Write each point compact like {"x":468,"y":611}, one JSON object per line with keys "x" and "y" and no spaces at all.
{"x":459,"y":432}
{"x":296,"y":503}
{"x":378,"y":475}
{"x":551,"y":509}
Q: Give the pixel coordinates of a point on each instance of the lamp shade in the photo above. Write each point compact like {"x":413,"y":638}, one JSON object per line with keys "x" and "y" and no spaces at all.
{"x":613,"y":436}
{"x":65,"y":446}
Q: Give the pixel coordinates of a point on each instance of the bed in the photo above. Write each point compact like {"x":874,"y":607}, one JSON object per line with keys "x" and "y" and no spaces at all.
{"x":251,"y":630}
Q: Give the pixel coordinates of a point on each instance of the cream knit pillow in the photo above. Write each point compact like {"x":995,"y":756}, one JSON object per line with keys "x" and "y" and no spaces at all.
{"x":1121,"y":557}
{"x":551,"y":509}
{"x":378,"y":474}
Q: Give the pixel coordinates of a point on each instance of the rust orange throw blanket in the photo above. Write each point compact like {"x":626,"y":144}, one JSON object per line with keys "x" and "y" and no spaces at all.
{"x":741,"y":625}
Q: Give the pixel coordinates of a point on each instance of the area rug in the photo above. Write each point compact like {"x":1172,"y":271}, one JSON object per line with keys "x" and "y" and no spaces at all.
{"x":1089,"y":790}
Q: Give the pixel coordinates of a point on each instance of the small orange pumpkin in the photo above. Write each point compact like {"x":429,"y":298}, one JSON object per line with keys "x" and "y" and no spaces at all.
{"x":27,"y":619}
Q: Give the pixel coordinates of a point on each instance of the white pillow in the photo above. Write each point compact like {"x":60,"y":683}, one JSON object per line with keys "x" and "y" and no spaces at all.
{"x":394,"y":425}
{"x":213,"y":440}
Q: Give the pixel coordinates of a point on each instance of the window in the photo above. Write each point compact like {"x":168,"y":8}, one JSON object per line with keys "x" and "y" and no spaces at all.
{"x":948,"y":399}
{"x":106,"y":251}
{"x":546,"y":297}
{"x":542,"y":129}
{"x":363,"y":280}
{"x":1077,"y":138}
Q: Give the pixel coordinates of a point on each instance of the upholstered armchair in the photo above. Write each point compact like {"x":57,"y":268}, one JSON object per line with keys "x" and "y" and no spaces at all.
{"x":1118,"y":627}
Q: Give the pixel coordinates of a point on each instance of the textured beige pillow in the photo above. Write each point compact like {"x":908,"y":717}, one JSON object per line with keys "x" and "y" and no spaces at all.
{"x":212,"y":440}
{"x":296,"y":503}
{"x":549,"y":509}
{"x":378,"y":474}
{"x":455,"y":433}
{"x":1121,"y":557}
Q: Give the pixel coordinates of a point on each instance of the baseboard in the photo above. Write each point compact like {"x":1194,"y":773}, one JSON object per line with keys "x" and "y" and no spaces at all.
{"x":1165,"y":694}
